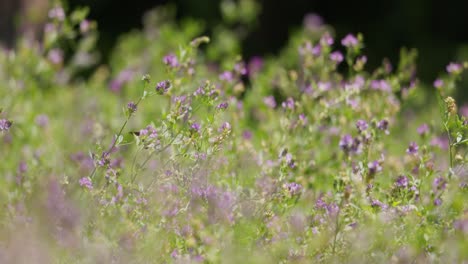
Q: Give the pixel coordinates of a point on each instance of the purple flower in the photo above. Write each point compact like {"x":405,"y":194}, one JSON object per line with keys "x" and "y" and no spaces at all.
{"x":454,"y":68}
{"x":374,"y":167}
{"x":336,"y":56}
{"x":438,"y":83}
{"x":255,"y":65}
{"x":240,"y":68}
{"x":86,"y":182}
{"x":270,"y":101}
{"x":222,"y":106}
{"x":412,"y":148}
{"x":381,"y":85}
{"x":423,"y":129}
{"x":57,"y":13}
{"x":303,"y":119}
{"x":171,"y":60}
{"x":289,"y":103}
{"x":437,"y":201}
{"x":85,"y":25}
{"x":402,"y":181}
{"x":5,"y":125}
{"x":226,"y":76}
{"x":196,"y":127}
{"x":326,"y":39}
{"x":247,"y":135}
{"x":293,"y":188}
{"x":439,"y":184}
{"x":55,"y":56}
{"x":383,"y":125}
{"x":226,"y":126}
{"x":349,"y":41}
{"x":324,"y":86}
{"x":132,"y":107}
{"x":361,"y":125}
{"x":377,"y":203}
{"x":163,"y":87}
{"x":346,"y":142}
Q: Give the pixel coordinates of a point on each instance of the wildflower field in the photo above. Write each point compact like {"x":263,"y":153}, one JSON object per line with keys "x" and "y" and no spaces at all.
{"x":181,"y":151}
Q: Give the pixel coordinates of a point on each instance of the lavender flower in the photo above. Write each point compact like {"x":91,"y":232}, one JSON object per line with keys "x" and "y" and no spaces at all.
{"x":163,"y":87}
{"x":454,"y":68}
{"x":374,"y":167}
{"x":55,"y":56}
{"x":326,"y":39}
{"x":383,"y":125}
{"x":57,"y":13}
{"x":438,"y":83}
{"x":255,"y":65}
{"x":132,"y":107}
{"x":226,"y":126}
{"x":381,"y":85}
{"x":240,"y":68}
{"x":85,"y":26}
{"x":423,"y":129}
{"x":439,"y":184}
{"x":288,"y":104}
{"x":336,"y":56}
{"x":293,"y":188}
{"x":226,"y":76}
{"x":361,"y":125}
{"x":269,"y":101}
{"x":171,"y":60}
{"x":196,"y":127}
{"x":5,"y":125}
{"x":402,"y":181}
{"x":349,"y":41}
{"x":222,"y":106}
{"x":412,"y":148}
{"x":86,"y":182}
{"x":346,"y":142}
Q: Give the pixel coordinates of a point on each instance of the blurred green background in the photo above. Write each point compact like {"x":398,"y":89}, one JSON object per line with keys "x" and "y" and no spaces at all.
{"x":438,"y":29}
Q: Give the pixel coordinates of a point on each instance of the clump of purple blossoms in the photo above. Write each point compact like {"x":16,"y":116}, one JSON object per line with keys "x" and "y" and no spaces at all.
{"x":86,"y":182}
{"x":196,"y":127}
{"x":349,"y":41}
{"x":361,"y":125}
{"x":383,"y":125}
{"x":402,"y":181}
{"x":438,"y":83}
{"x":270,"y":101}
{"x":439,"y":184}
{"x":5,"y":125}
{"x":171,"y":60}
{"x":222,"y":106}
{"x":163,"y":87}
{"x":288,"y":104}
{"x":412,"y":148}
{"x":454,"y":68}
{"x":374,"y":167}
{"x":132,"y":107}
{"x":423,"y":129}
{"x":336,"y":56}
{"x":293,"y":188}
{"x":350,"y":145}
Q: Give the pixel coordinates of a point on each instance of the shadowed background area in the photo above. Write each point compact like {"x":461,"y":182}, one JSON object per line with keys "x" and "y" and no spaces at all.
{"x":437,"y":29}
